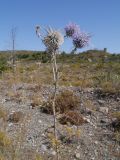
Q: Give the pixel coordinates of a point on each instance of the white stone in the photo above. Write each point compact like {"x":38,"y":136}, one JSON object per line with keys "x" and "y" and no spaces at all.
{"x":53,"y":153}
{"x":43,"y":147}
{"x":10,"y":124}
{"x":78,"y":147}
{"x":77,"y":155}
{"x":103,"y":109}
{"x":96,"y":142}
{"x":39,"y":121}
{"x":101,"y":101}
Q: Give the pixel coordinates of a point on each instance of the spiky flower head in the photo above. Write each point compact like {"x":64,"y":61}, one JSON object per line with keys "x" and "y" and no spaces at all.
{"x":71,"y":29}
{"x":81,"y":39}
{"x":53,"y":40}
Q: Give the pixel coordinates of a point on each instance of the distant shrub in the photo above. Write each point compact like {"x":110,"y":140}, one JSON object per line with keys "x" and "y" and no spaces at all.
{"x":38,"y":56}
{"x":107,"y":87}
{"x":83,"y":83}
{"x":108,"y":79}
{"x":3,"y":64}
{"x":23,"y":56}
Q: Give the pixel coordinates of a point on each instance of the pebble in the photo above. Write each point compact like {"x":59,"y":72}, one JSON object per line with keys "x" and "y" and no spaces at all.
{"x":101,"y":102}
{"x":53,"y":153}
{"x":39,"y":121}
{"x":4,"y":100}
{"x":43,"y":147}
{"x":96,"y":142}
{"x":77,"y":155}
{"x":10,"y":124}
{"x":78,"y":147}
{"x":103,"y":109}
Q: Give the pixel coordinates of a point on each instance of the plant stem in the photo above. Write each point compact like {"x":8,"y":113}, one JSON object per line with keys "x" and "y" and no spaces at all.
{"x":55,"y":76}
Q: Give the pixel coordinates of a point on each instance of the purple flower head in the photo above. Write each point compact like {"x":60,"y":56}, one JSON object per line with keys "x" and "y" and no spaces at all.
{"x":71,"y":29}
{"x":81,"y":39}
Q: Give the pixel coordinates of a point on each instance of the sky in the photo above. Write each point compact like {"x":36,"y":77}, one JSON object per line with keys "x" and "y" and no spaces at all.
{"x":101,"y":18}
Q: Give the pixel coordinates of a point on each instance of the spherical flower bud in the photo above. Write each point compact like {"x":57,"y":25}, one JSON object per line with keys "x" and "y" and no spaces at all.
{"x":53,"y":40}
{"x":81,"y":39}
{"x":71,"y":29}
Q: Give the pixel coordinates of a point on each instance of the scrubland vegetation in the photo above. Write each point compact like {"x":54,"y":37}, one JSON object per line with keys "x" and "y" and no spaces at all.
{"x":87,"y":106}
{"x":88,"y":69}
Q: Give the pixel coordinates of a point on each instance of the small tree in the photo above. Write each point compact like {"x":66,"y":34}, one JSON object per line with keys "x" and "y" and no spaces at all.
{"x":13,"y":39}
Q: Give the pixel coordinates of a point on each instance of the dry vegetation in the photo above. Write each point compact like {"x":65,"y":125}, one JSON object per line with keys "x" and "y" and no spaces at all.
{"x":26,"y":86}
{"x":65,"y":101}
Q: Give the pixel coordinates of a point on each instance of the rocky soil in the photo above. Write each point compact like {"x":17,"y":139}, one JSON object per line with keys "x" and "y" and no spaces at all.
{"x":95,"y":142}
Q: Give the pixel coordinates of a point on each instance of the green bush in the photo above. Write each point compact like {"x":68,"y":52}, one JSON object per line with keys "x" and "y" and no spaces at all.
{"x":3,"y":64}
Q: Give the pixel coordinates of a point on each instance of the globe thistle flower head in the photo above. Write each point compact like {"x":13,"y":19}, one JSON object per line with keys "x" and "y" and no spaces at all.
{"x":53,"y":40}
{"x":71,"y":29}
{"x":81,"y":39}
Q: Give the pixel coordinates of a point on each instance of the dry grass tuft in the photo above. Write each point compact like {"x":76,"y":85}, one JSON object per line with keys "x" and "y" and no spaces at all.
{"x":14,"y":96}
{"x":4,"y":140}
{"x":72,"y":117}
{"x":3,"y":114}
{"x":116,"y":123}
{"x":36,"y":100}
{"x":65,"y":101}
{"x":15,"y":117}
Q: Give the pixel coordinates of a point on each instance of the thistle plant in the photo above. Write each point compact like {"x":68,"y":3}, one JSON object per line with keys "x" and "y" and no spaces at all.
{"x":53,"y":39}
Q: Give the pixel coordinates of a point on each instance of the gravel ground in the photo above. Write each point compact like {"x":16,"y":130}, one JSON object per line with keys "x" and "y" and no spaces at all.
{"x":96,"y":137}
